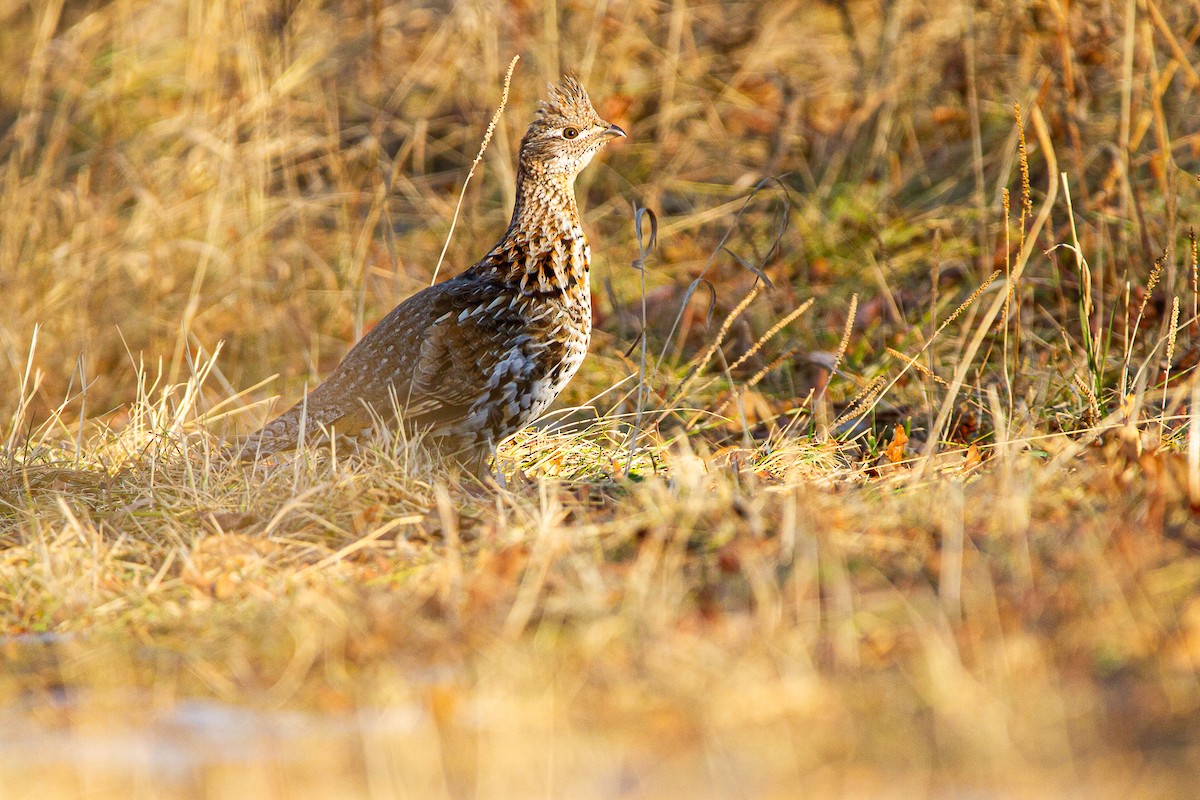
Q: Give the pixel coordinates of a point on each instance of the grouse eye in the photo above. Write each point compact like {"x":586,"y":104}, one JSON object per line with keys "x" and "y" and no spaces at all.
{"x":570,"y":133}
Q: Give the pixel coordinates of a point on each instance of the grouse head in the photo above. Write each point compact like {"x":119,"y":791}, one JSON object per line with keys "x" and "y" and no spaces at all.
{"x":566,"y":133}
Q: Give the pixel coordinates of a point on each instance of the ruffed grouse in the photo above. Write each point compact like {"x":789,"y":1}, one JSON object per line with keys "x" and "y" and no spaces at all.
{"x":477,"y":357}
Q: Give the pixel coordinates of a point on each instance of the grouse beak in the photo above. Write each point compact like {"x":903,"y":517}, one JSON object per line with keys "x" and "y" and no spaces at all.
{"x":614,"y":132}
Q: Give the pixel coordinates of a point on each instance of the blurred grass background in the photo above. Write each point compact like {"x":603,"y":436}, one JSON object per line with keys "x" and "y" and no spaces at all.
{"x":276,"y":176}
{"x":779,"y":588}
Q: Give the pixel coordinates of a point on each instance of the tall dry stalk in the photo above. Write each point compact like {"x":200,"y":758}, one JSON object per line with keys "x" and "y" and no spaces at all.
{"x":487,"y":138}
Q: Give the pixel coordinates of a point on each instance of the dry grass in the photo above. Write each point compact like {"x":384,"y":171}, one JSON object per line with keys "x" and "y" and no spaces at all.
{"x":934,"y":534}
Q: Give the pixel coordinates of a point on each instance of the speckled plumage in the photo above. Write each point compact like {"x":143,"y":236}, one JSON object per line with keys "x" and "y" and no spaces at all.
{"x":474,"y":359}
